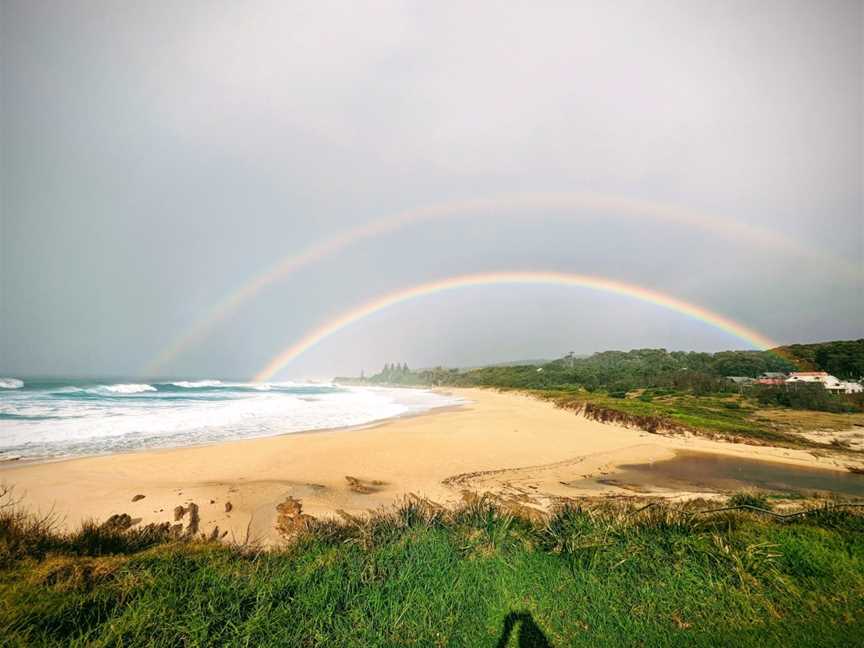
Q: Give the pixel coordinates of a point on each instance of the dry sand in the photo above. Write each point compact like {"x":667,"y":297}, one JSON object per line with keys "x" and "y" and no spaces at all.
{"x":504,"y":443}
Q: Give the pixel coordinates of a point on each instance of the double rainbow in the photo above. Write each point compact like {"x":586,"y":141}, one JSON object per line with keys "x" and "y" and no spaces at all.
{"x":550,"y":205}
{"x":311,"y":339}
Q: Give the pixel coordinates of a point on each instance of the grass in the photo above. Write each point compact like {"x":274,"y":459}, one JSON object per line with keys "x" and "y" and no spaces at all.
{"x":751,"y":498}
{"x":424,"y":576}
{"x":793,"y":419}
{"x":728,"y":416}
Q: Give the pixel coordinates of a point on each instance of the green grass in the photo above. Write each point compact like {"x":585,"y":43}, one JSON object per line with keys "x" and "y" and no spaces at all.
{"x":726,"y":416}
{"x":426,"y":577}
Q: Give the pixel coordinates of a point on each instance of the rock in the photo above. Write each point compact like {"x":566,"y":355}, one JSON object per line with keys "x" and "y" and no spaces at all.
{"x":138,"y":497}
{"x":290,"y":507}
{"x":290,"y":518}
{"x":363,"y":486}
{"x":193,"y":518}
{"x":162,"y":529}
{"x":228,"y":507}
{"x":118,"y":521}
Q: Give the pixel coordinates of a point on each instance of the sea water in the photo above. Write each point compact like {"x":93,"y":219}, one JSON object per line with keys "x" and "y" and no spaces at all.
{"x":46,"y":420}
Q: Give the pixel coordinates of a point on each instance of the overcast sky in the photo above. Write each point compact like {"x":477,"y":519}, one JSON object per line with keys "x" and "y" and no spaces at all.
{"x":156,"y":156}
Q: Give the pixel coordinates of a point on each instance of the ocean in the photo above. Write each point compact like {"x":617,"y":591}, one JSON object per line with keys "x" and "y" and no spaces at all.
{"x":57,"y":419}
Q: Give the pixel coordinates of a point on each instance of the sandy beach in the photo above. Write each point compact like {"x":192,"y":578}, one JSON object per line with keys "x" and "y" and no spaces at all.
{"x":506,"y":443}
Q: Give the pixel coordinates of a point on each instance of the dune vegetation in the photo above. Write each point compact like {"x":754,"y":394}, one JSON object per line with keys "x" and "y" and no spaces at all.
{"x":613,"y":573}
{"x":678,"y":391}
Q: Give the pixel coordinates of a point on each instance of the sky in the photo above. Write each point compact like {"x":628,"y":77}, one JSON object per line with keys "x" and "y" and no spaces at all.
{"x":157,"y":157}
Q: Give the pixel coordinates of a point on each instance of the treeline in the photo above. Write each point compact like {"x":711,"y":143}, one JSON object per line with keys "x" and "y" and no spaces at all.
{"x":841,"y":358}
{"x":620,"y":371}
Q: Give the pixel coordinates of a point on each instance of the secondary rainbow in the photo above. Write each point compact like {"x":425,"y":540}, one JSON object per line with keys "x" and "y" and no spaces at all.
{"x":548,"y":205}
{"x":736,"y":329}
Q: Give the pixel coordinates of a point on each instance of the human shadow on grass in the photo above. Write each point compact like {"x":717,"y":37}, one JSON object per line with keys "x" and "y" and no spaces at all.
{"x":529,"y":634}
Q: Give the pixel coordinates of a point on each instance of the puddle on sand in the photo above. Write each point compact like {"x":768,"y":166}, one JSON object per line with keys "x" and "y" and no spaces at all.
{"x":703,"y":471}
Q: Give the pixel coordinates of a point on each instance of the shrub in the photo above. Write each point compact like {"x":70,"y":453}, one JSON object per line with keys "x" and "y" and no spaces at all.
{"x":750,"y":498}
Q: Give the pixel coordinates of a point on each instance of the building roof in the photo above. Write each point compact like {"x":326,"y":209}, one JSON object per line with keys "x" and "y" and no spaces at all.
{"x":809,"y":373}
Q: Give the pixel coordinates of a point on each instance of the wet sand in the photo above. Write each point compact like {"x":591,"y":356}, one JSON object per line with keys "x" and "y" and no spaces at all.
{"x":722,"y":473}
{"x":506,"y":443}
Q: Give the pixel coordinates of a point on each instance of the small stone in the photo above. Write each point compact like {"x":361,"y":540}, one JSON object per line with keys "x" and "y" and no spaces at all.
{"x":139,"y":496}
{"x":228,"y":507}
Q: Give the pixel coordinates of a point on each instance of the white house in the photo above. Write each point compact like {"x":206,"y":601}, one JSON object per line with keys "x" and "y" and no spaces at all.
{"x":851,"y":387}
{"x":829,"y":382}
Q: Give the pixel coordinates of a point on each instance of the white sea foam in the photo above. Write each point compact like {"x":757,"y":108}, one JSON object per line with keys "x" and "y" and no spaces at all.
{"x":127,"y":388}
{"x":195,"y":384}
{"x":11,"y":383}
{"x":57,"y":423}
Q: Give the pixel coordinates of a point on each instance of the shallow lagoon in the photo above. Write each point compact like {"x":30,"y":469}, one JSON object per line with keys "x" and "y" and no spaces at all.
{"x":702,"y":471}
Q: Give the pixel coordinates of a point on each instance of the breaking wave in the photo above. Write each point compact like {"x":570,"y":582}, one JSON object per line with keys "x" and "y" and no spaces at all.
{"x":124,"y":388}
{"x":197,"y":384}
{"x":11,"y":383}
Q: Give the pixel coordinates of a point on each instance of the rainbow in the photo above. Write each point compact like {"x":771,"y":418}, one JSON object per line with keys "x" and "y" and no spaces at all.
{"x":601,"y":284}
{"x":555,"y":205}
